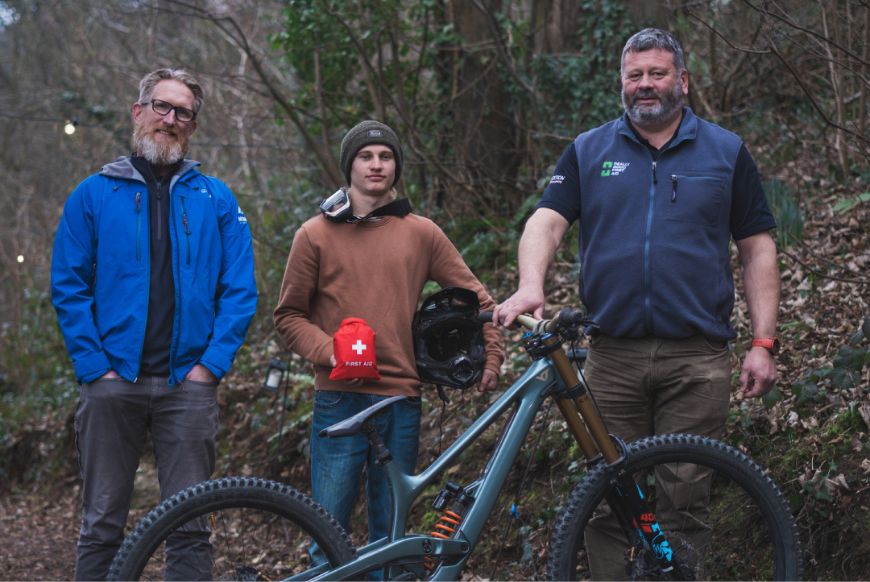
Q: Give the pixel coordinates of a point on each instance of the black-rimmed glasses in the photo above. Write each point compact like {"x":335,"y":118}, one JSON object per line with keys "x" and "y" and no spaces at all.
{"x":163,"y":108}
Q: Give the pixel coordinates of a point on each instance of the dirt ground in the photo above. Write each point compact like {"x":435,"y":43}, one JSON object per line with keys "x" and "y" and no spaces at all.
{"x":38,"y":537}
{"x":38,"y":533}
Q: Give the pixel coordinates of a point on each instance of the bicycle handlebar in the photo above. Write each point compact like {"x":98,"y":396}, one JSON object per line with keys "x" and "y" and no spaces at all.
{"x":567,"y":320}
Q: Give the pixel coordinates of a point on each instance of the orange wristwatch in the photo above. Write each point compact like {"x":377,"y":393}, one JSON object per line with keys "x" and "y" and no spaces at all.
{"x":771,"y":344}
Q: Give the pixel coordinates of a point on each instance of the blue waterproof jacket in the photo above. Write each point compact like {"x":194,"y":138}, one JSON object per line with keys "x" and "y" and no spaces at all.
{"x":100,"y":272}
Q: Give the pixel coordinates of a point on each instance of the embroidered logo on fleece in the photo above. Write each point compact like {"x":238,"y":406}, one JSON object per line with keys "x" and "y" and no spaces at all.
{"x":613,"y":168}
{"x":242,"y":218}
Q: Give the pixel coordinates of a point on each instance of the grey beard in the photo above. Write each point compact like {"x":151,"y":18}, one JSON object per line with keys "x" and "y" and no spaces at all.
{"x":156,"y":153}
{"x":668,"y":107}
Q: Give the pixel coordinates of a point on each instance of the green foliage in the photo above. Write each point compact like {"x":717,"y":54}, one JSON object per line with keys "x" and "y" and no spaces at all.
{"x":328,"y":44}
{"x":579,"y":89}
{"x":846,"y":205}
{"x":817,"y":487}
{"x":562,"y":93}
{"x":844,"y":373}
{"x":36,"y":372}
{"x":407,"y":64}
{"x":489,"y":245}
{"x":274,"y":218}
{"x":807,"y":390}
{"x":852,"y":358}
{"x":772,"y":397}
{"x":37,"y":391}
{"x":788,"y":216}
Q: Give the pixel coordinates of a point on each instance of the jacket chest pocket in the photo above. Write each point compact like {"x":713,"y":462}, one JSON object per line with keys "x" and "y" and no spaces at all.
{"x":195,"y":228}
{"x":123,"y":234}
{"x":694,"y":198}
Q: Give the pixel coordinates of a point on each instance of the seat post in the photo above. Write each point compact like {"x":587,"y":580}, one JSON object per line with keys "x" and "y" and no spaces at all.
{"x":382,"y":453}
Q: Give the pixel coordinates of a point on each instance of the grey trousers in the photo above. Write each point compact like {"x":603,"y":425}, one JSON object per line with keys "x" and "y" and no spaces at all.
{"x":111,"y":422}
{"x":651,"y":386}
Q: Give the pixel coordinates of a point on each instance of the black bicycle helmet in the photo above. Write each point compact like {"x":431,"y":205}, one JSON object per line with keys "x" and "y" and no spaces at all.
{"x":448,"y":339}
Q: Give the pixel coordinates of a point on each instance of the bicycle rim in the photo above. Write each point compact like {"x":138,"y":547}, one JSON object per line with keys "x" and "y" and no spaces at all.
{"x":724,"y":517}
{"x":234,"y":528}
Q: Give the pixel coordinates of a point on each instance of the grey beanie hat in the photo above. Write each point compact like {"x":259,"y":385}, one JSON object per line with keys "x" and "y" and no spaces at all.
{"x":367,"y":133}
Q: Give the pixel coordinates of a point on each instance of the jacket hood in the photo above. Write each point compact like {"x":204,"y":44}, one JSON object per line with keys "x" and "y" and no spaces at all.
{"x":123,"y":168}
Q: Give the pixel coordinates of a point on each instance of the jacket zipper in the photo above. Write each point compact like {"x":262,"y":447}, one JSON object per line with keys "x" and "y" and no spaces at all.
{"x":186,"y":229}
{"x":138,"y":227}
{"x":647,"y":274}
{"x":176,"y":273}
{"x":157,"y":188}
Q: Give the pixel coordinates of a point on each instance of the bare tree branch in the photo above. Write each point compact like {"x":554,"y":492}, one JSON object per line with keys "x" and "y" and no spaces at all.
{"x":234,"y":31}
{"x":791,"y":23}
{"x":806,"y":90}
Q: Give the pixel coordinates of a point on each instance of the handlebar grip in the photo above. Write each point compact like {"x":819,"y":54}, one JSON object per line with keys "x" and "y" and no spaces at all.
{"x":567,"y":318}
{"x":570,"y":318}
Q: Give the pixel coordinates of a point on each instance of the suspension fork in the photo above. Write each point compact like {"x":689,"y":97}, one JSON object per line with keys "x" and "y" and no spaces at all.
{"x":625,"y":497}
{"x":587,"y":426}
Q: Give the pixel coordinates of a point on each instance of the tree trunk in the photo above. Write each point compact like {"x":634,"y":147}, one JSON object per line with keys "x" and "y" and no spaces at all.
{"x":484,"y":133}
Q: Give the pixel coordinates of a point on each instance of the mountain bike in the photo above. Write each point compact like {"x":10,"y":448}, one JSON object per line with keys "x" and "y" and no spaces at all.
{"x":728,"y":521}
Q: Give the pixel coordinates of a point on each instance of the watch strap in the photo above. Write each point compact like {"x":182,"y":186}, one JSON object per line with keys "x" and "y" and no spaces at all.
{"x":771,"y":344}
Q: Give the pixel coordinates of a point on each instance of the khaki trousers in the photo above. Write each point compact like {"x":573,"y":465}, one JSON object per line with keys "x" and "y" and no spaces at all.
{"x":649,"y":386}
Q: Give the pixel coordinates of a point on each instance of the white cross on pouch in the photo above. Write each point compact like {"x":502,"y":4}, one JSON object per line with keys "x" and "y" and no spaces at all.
{"x":359,"y":347}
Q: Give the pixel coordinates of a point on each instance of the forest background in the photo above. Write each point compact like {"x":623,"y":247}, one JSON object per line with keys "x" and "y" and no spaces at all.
{"x":485,"y":95}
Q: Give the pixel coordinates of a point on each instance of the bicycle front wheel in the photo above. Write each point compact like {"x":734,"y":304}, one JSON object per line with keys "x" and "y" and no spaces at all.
{"x":235,"y":528}
{"x":723,"y":516}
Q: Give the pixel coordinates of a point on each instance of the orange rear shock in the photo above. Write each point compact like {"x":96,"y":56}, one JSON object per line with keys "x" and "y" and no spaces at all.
{"x":450,"y":519}
{"x":446,"y":526}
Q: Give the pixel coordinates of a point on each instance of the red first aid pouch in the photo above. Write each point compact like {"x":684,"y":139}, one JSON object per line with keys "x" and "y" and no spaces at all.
{"x":354,"y":347}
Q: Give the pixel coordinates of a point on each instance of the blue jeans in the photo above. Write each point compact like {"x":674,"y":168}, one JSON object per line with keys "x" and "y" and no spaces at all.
{"x":338,"y":463}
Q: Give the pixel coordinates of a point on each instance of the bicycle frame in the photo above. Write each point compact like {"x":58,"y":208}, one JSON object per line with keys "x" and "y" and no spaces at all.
{"x":526,"y":395}
{"x":625,"y":478}
{"x":551,"y":374}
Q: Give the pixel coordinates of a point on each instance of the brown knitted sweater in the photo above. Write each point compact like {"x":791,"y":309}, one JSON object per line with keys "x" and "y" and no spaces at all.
{"x":374,"y":269}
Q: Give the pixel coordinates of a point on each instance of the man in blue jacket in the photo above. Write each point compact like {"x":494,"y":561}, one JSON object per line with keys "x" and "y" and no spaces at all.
{"x":659,"y":194}
{"x":153,"y":281}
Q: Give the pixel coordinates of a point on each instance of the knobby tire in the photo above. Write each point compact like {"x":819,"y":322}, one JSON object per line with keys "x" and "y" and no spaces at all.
{"x":750,"y":532}
{"x":257,"y":530}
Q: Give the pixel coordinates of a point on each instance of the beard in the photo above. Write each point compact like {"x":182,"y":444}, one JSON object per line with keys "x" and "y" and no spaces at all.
{"x":665,"y":110}
{"x":159,"y":154}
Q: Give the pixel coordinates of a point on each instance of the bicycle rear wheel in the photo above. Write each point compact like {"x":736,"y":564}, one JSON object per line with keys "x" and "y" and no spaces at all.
{"x":724,"y":518}
{"x":235,"y":528}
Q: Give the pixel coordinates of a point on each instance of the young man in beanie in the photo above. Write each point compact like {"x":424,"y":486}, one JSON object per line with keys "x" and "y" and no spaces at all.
{"x":368,"y":262}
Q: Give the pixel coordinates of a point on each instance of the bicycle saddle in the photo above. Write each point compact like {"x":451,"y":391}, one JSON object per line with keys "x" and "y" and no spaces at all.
{"x":355,"y":423}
